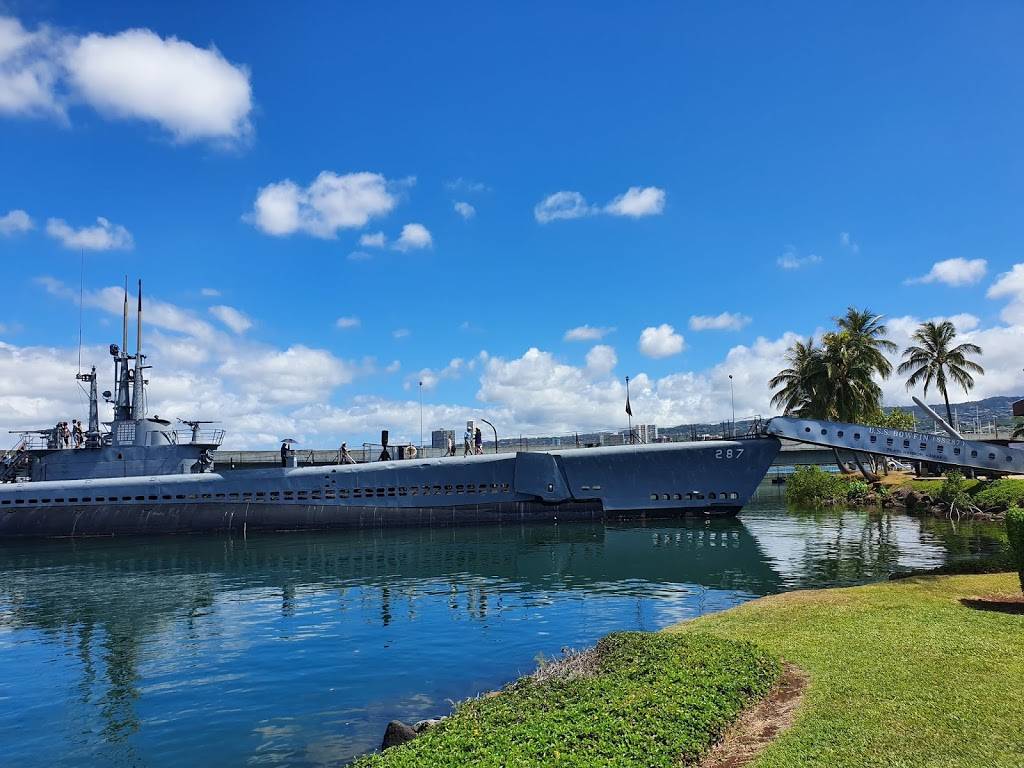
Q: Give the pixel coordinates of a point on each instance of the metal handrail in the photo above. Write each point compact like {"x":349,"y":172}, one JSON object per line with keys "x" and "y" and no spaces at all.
{"x":203,"y":436}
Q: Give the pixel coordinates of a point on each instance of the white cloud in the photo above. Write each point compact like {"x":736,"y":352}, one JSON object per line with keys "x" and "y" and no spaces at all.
{"x":192,"y":92}
{"x":726,"y":321}
{"x":465,"y":210}
{"x":467,"y":185}
{"x":586,"y":333}
{"x":401,"y":333}
{"x":955,"y":272}
{"x":347,"y":322}
{"x":234,"y":319}
{"x":846,"y":241}
{"x":373,"y":240}
{"x":256,"y":392}
{"x":414,"y":237}
{"x":601,"y":360}
{"x":359,"y":256}
{"x":159,"y":314}
{"x":263,"y":393}
{"x":329,"y":204}
{"x":210,"y":293}
{"x":636,"y":202}
{"x":195,"y":93}
{"x":791,"y":259}
{"x":293,"y":375}
{"x":29,"y":70}
{"x":561,"y":205}
{"x":1010,"y":285}
{"x":661,"y":341}
{"x":105,"y":236}
{"x":15,"y":222}
{"x":394,"y":366}
{"x":430,"y":378}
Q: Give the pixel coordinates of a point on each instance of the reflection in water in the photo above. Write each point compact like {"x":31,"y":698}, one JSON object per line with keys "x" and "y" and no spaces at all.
{"x":296,"y":649}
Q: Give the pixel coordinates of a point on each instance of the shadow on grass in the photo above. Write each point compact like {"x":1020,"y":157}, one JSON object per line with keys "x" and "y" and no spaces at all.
{"x":1013,"y":604}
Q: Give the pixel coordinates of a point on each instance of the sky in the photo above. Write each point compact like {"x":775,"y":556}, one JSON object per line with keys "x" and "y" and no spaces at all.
{"x":517,"y":206}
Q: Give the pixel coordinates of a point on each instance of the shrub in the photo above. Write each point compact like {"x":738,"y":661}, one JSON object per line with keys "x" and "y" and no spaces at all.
{"x":1000,"y":494}
{"x":1015,"y":533}
{"x":954,"y":487}
{"x":954,"y":496}
{"x":813,"y":486}
{"x":856,"y":490}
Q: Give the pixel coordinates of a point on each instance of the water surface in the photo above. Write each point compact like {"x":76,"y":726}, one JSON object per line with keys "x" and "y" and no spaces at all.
{"x":297,"y":649}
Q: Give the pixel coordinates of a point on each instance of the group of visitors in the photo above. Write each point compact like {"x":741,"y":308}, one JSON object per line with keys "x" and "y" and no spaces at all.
{"x":472,"y":442}
{"x":68,"y":437}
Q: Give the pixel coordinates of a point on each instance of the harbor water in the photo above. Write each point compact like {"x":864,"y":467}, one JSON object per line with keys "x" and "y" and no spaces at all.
{"x":297,"y":649}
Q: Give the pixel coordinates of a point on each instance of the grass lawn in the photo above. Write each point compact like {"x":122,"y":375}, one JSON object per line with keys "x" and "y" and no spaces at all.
{"x":901,"y":673}
{"x":651,"y":700}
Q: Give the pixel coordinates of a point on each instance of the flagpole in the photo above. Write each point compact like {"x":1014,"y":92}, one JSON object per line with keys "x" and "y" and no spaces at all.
{"x":629,"y":412}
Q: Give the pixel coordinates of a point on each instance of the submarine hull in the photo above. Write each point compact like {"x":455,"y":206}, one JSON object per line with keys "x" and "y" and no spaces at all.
{"x":714,"y":478}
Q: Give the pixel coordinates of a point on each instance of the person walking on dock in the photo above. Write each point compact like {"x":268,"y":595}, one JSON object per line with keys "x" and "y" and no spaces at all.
{"x":76,"y":433}
{"x":450,"y":441}
{"x":284,"y":454}
{"x":467,"y":440}
{"x":478,"y":442}
{"x":65,"y":434}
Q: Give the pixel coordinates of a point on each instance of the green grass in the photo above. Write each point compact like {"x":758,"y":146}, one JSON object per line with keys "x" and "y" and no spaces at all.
{"x":655,"y":700}
{"x":902,"y":674}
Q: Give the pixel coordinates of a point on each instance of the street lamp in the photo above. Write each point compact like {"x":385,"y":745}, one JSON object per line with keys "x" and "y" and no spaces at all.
{"x":732,"y":397}
{"x":485,"y":421}
{"x":629,"y":413}
{"x":421,"y":418}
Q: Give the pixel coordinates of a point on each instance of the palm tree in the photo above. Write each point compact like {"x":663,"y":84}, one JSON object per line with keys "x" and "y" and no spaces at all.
{"x":866,"y":332}
{"x":800,"y":383}
{"x":934,"y":360}
{"x":837,"y":380}
{"x":852,"y":395}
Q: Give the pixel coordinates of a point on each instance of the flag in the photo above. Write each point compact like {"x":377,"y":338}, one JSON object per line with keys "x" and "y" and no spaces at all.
{"x":628,"y":409}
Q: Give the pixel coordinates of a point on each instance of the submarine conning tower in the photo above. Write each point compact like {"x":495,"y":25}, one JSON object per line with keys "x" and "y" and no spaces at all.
{"x":135,"y":444}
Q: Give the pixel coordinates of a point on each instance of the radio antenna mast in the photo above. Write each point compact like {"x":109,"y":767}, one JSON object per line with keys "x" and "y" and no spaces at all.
{"x":81,"y":295}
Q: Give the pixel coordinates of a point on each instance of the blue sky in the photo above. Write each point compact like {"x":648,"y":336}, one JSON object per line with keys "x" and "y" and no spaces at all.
{"x":857,"y":144}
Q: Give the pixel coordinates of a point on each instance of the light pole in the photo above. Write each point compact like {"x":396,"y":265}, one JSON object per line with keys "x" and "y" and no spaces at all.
{"x":732,"y":397}
{"x":421,"y":417}
{"x":629,"y":412}
{"x":485,"y":421}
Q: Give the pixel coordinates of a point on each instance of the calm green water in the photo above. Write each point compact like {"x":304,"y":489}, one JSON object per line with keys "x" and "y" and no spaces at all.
{"x":297,"y":649}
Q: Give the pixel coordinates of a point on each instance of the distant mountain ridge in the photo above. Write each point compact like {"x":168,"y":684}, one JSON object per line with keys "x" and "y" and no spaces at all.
{"x":988,"y":410}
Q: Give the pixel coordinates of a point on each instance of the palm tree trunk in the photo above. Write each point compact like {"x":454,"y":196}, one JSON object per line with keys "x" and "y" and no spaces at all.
{"x":839,"y":462}
{"x":949,"y":412}
{"x":869,"y":476}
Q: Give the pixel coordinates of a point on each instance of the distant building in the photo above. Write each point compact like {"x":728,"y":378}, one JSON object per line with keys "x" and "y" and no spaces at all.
{"x":643,"y":433}
{"x":439,"y":438}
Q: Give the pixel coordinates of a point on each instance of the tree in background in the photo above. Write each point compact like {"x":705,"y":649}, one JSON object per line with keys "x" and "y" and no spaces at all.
{"x":897,"y":418}
{"x":837,"y":381}
{"x":800,"y":385}
{"x":934,"y":360}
